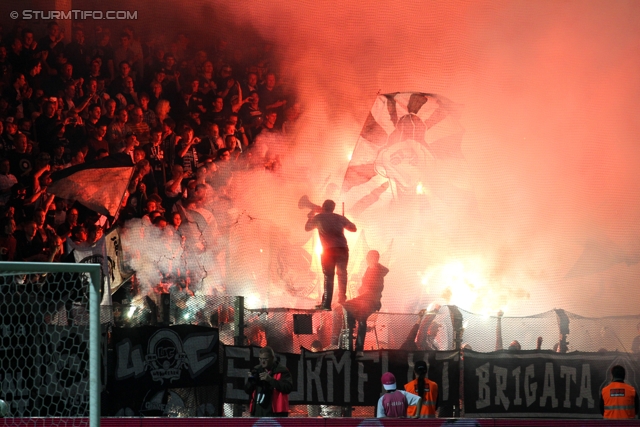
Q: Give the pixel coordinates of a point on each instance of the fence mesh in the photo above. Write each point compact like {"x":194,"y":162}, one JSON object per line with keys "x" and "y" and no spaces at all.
{"x":44,"y":356}
{"x":44,"y":331}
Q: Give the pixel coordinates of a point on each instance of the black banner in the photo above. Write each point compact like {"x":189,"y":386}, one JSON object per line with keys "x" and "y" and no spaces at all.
{"x":539,"y":383}
{"x":158,"y":371}
{"x":340,"y":377}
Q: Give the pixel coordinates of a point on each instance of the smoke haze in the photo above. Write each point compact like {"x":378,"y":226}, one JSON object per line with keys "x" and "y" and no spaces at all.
{"x":547,"y":92}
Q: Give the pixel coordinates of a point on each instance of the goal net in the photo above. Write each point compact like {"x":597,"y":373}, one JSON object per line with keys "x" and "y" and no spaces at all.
{"x":50,"y":353}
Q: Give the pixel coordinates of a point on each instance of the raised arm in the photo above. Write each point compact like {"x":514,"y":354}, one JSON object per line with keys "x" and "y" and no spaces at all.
{"x":350,"y":226}
{"x":311,"y":223}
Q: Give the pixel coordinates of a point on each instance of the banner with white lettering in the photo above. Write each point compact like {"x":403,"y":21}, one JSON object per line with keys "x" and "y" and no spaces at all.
{"x":540,"y":383}
{"x":341,"y":377}
{"x":159,"y":369}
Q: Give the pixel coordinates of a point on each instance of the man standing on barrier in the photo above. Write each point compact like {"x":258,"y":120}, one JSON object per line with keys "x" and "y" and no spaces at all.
{"x":368,"y":300}
{"x":335,"y":251}
{"x":619,"y":400}
{"x":269,"y":386}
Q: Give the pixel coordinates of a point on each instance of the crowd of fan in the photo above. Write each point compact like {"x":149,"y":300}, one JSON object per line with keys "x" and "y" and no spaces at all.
{"x":177,"y":111}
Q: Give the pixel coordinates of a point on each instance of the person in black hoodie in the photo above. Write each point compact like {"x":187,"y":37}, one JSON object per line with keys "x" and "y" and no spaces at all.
{"x":368,"y":300}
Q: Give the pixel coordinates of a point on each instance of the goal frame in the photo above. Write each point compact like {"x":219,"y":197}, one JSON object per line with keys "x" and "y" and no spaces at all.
{"x":95,"y":283}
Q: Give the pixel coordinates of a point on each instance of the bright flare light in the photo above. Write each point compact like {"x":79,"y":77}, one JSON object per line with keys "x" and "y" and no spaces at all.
{"x":465,"y":285}
{"x":253,"y":301}
{"x":349,"y":156}
{"x":420,"y":189}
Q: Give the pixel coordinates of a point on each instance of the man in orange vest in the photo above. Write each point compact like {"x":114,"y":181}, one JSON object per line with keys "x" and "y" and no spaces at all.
{"x":269,"y":386}
{"x":619,"y":400}
{"x":428,"y":391}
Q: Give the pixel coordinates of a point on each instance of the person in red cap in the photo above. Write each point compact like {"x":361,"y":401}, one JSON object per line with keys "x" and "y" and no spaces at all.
{"x":394,"y":403}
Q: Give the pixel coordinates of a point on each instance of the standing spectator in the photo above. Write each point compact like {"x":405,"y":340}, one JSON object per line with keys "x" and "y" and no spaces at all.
{"x":425,"y":388}
{"x":271,"y":96}
{"x":94,"y":112}
{"x":109,"y":115}
{"x":91,"y":97}
{"x":77,"y":54}
{"x":29,"y":45}
{"x":42,"y":228}
{"x":21,"y":162}
{"x":149,"y":116}
{"x":29,"y":246}
{"x":138,"y":63}
{"x":619,"y":400}
{"x":97,"y":142}
{"x":394,"y":403}
{"x":137,"y":125}
{"x":156,"y":94}
{"x":233,"y":127}
{"x":9,"y":134}
{"x":211,"y":142}
{"x":176,"y":220}
{"x":251,"y":115}
{"x":218,"y":114}
{"x":269,"y":386}
{"x":95,"y":70}
{"x":251,"y":84}
{"x":187,"y":153}
{"x":34,"y":76}
{"x":117,"y":83}
{"x":14,"y":94}
{"x":368,"y":300}
{"x":127,"y":96}
{"x":117,"y":130}
{"x":72,"y":218}
{"x":125,"y":53}
{"x":5,"y":66}
{"x":59,"y":82}
{"x":169,"y":141}
{"x":45,"y":126}
{"x":269,"y":123}
{"x":207,"y":83}
{"x":335,"y":251}
{"x":7,"y":180}
{"x":104,"y":51}
{"x":163,"y":107}
{"x":155,"y":155}
{"x":7,"y":240}
{"x":16,"y":57}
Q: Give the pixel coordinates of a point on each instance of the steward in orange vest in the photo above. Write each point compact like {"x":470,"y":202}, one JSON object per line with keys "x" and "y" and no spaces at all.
{"x":619,"y":400}
{"x":269,"y":386}
{"x":425,"y":388}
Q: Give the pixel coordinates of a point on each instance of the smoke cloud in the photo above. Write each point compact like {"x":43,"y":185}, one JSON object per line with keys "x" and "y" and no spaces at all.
{"x":547,"y":212}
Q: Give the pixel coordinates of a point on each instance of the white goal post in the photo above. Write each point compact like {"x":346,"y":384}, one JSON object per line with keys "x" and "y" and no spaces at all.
{"x":17,"y":275}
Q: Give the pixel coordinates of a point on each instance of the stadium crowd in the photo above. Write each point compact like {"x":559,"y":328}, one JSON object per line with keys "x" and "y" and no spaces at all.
{"x":180,"y":111}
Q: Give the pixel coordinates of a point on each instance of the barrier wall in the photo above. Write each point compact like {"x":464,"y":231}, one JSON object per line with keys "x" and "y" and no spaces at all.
{"x":319,"y":422}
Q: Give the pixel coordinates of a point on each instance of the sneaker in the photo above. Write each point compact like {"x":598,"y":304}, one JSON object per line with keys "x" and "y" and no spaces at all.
{"x":322,"y":307}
